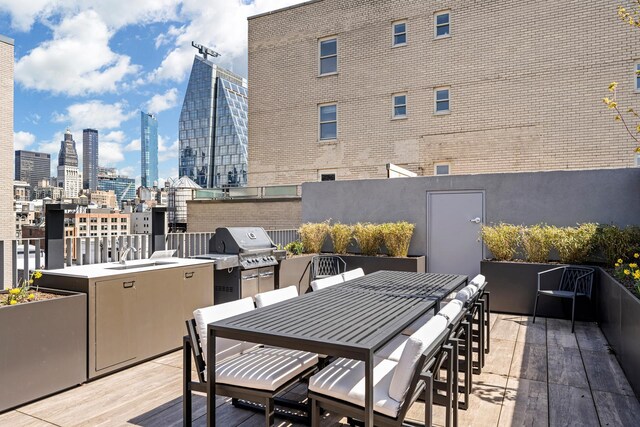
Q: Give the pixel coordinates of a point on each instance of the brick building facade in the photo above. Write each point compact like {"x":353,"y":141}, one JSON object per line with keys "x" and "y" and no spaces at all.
{"x":7,"y":215}
{"x":522,"y":83}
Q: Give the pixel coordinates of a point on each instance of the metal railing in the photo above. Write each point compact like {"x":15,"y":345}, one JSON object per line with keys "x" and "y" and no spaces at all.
{"x":189,"y":244}
{"x":283,"y":237}
{"x":248,"y":192}
{"x":95,"y":250}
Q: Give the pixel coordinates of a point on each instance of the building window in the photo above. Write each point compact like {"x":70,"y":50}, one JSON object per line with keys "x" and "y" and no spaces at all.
{"x":638,"y":77}
{"x":442,"y":100}
{"x":328,"y":122}
{"x":123,"y":219}
{"x":399,"y":33}
{"x":400,"y":106}
{"x":328,"y":177}
{"x":328,"y":56}
{"x":442,"y":24}
{"x":103,"y":219}
{"x":441,"y":169}
{"x":83,"y":219}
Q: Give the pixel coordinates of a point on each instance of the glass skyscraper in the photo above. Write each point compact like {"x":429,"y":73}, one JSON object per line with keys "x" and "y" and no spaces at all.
{"x":90,"y":159}
{"x":213,"y":127}
{"x":148,"y":149}
{"x":123,"y":187}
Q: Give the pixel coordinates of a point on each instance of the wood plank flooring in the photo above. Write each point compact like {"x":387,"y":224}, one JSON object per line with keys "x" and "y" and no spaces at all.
{"x":538,"y":374}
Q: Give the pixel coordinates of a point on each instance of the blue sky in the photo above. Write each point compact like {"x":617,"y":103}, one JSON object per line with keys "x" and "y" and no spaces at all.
{"x":98,"y":63}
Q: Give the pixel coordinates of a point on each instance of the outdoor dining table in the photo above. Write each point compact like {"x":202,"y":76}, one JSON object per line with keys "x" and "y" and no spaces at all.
{"x":351,"y":320}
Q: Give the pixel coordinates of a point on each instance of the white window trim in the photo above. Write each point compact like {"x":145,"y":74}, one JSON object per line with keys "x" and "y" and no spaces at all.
{"x":324,"y":39}
{"x":435,"y":24}
{"x":435,"y":168}
{"x":435,"y":100}
{"x":393,"y":106}
{"x":636,"y":82}
{"x":327,"y":172}
{"x":393,"y":33}
{"x":320,"y":122}
{"x":637,"y":160}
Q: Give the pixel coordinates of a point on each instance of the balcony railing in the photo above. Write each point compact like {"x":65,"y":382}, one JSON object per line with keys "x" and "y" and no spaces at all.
{"x":248,"y":192}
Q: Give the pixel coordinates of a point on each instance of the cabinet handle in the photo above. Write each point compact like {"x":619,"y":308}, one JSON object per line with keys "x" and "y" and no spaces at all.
{"x":127,"y":285}
{"x":268,"y":274}
{"x":188,"y":275}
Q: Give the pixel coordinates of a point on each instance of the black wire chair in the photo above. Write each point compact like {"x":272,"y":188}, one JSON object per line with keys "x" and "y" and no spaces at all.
{"x":575,"y":282}
{"x":326,"y":265}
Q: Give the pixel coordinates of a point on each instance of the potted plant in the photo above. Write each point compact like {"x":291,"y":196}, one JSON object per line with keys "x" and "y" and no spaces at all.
{"x":44,"y":331}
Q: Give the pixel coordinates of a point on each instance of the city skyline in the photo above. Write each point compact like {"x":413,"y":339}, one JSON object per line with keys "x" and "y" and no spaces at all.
{"x":106,"y":61}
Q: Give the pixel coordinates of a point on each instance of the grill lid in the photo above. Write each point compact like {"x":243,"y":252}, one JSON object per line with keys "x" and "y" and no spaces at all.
{"x":236,"y":240}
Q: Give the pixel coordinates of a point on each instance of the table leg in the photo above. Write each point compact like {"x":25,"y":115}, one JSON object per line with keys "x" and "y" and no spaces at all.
{"x":368,"y":394}
{"x":211,"y":377}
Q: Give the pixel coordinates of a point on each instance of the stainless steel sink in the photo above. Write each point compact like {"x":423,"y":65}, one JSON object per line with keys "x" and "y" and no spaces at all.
{"x":128,"y":266}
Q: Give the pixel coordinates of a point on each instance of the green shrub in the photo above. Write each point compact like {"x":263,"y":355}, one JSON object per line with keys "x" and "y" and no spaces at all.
{"x":341,"y":235}
{"x":294,"y":248}
{"x":613,"y":242}
{"x":369,"y":238}
{"x":502,"y":240}
{"x":537,"y":241}
{"x":574,"y":244}
{"x":633,"y":237}
{"x":313,"y":236}
{"x":397,"y":237}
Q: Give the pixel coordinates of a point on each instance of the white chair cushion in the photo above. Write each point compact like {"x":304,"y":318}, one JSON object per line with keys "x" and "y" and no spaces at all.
{"x":225,"y":348}
{"x":343,"y":379}
{"x":417,"y":324}
{"x":413,"y":349}
{"x":327,"y":282}
{"x":451,"y":310}
{"x":467,"y":292}
{"x":393,"y":349}
{"x":478,"y":281}
{"x":352,"y":274}
{"x":271,"y":297}
{"x":264,"y":368}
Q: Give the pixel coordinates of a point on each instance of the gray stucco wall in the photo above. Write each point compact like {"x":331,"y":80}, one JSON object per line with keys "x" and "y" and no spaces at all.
{"x":559,"y":198}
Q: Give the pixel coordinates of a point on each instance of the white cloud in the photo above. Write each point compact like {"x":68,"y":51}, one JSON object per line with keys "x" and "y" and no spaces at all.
{"x":222,"y":26}
{"x":110,"y":153}
{"x":94,"y":114}
{"x":116,"y":136}
{"x":22,"y":140}
{"x":162,"y":102}
{"x":127,"y":171}
{"x":167,"y":152}
{"x":134,"y":145}
{"x":77,"y":61}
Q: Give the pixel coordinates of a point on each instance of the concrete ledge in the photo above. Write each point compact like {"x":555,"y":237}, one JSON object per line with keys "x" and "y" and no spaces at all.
{"x":6,"y":40}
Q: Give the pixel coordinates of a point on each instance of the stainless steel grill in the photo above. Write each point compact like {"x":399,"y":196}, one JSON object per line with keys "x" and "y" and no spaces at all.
{"x":246,"y":259}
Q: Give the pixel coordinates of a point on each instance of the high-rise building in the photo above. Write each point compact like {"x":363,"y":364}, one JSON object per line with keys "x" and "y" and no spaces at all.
{"x":213,"y":127}
{"x":148,"y":149}
{"x":124,"y":187}
{"x":68,"y":172}
{"x":32,"y":167}
{"x":7,"y":216}
{"x":90,"y":159}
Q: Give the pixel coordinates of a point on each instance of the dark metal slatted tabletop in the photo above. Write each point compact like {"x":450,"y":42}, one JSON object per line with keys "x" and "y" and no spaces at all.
{"x":352,"y":320}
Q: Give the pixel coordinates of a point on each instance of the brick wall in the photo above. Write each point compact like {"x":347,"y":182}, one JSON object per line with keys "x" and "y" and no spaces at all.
{"x":207,"y":215}
{"x":7,"y":216}
{"x":526,"y":81}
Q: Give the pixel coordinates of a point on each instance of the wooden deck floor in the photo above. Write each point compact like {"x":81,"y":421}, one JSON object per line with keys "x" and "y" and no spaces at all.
{"x":536,"y":375}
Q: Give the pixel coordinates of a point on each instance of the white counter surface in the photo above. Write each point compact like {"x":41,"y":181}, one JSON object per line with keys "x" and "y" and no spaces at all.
{"x":92,"y":271}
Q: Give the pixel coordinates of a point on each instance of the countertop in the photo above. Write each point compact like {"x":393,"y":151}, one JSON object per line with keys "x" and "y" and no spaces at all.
{"x":92,"y":271}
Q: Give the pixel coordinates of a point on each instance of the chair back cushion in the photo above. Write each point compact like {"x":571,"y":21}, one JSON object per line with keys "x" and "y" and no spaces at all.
{"x":225,"y":347}
{"x":327,"y":282}
{"x":478,"y":281}
{"x":413,"y":349}
{"x":466,"y":293}
{"x":271,"y":297}
{"x":451,"y":310}
{"x":352,"y":274}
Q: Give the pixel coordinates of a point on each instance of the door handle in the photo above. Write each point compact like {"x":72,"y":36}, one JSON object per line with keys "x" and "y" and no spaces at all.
{"x":127,"y":285}
{"x":475,"y":220}
{"x":188,"y":275}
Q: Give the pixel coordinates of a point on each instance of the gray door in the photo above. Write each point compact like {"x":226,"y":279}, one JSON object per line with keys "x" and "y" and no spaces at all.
{"x":453,"y":227}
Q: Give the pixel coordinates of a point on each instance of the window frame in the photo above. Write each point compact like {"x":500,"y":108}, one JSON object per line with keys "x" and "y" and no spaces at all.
{"x":636,"y":77}
{"x":435,"y":100}
{"x":320,"y":57}
{"x":394,"y":34}
{"x":393,"y":106}
{"x":320,"y":122}
{"x":436,"y":26}
{"x":436,"y":165}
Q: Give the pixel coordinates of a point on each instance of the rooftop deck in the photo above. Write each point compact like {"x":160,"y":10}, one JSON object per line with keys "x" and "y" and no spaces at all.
{"x":537,"y":374}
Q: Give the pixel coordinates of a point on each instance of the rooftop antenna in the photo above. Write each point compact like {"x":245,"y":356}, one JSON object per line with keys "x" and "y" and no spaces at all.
{"x":205,"y":51}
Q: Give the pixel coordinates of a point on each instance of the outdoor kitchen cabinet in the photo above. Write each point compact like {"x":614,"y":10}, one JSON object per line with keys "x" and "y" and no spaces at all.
{"x":135,"y":315}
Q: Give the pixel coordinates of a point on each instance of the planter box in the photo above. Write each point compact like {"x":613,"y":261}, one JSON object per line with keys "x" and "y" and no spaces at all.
{"x":296,"y":270}
{"x":619,"y":318}
{"x":513,"y":287}
{"x":43,"y":347}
